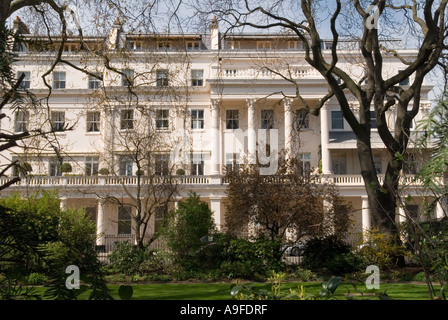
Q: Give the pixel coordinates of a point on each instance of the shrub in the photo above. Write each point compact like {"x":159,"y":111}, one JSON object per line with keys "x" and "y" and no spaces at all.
{"x":191,"y":222}
{"x":126,"y":258}
{"x":252,"y":259}
{"x":103,"y":171}
{"x":381,"y":249}
{"x":66,"y":167}
{"x":35,"y":279}
{"x":329,"y":253}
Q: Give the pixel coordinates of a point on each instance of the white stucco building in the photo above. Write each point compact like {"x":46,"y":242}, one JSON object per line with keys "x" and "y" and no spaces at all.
{"x":204,"y":89}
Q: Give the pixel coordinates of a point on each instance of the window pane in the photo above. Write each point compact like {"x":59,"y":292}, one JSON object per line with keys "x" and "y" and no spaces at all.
{"x":232,"y":119}
{"x":162,"y":78}
{"x":57,"y":120}
{"x":372,"y":119}
{"x":337,"y":121}
{"x":26,"y":81}
{"x":93,"y":121}
{"x":197,"y":78}
{"x":267,"y":119}
{"x":197,"y":119}
{"x":91,"y":166}
{"x":124,"y":220}
{"x":21,"y":121}
{"x":302,"y":120}
{"x":94,"y":82}
{"x":127,"y":119}
{"x":59,"y":80}
{"x":162,"y":119}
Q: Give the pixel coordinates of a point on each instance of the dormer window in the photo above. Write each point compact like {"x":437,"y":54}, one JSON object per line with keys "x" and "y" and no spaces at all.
{"x":135,"y":45}
{"x":193,"y":46}
{"x":164,"y":46}
{"x":233,"y":45}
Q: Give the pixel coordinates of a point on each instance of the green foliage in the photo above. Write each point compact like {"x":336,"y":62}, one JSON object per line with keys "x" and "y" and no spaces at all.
{"x":381,"y":249}
{"x":250,"y":292}
{"x":66,"y":167}
{"x":277,"y":292}
{"x":35,"y":279}
{"x":103,"y":171}
{"x":251,"y":259}
{"x":125,"y":292}
{"x":332,"y":254}
{"x":187,"y":231}
{"x":126,"y":258}
{"x":37,"y":236}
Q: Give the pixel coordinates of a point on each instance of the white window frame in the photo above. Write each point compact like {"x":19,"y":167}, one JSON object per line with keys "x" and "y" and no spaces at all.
{"x":21,"y":120}
{"x":302,"y":119}
{"x":267,"y":119}
{"x":57,"y":120}
{"x":162,"y":78}
{"x":232,"y":117}
{"x":161,"y":164}
{"x":197,"y":77}
{"x":232,"y":162}
{"x":305,"y":159}
{"x":91,"y":166}
{"x":94,"y":83}
{"x":197,"y":119}
{"x":162,"y":119}
{"x":339,"y":164}
{"x":127,"y":119}
{"x":54,"y":167}
{"x":124,"y":219}
{"x":197,"y":164}
{"x":26,"y":81}
{"x":59,"y":79}
{"x":193,"y":45}
{"x":93,"y":121}
{"x":126,"y":166}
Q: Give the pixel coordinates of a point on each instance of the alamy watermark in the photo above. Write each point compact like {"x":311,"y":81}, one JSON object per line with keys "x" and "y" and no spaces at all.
{"x":372,"y":21}
{"x":72,"y":281}
{"x":373,"y":280}
{"x":262,"y":147}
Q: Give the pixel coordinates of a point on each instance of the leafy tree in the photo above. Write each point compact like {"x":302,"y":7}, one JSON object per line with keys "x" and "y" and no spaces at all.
{"x":188,"y":230}
{"x":36,"y":235}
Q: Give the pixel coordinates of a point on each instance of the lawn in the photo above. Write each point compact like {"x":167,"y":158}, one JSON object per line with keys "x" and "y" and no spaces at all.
{"x":221,"y":291}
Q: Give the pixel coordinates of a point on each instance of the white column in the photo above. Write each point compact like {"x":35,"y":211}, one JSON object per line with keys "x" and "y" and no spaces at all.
{"x":100,"y":240}
{"x":440,"y":210}
{"x":63,"y":203}
{"x":251,"y":135}
{"x":324,"y":133}
{"x":215,"y":207}
{"x":288,"y":127}
{"x":366,"y":218}
{"x":401,"y":214}
{"x":215,"y":156}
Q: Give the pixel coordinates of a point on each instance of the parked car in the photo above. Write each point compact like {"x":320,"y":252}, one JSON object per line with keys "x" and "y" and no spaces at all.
{"x":294,"y":250}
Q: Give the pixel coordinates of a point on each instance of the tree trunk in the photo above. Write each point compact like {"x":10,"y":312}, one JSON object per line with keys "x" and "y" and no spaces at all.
{"x":382,"y":201}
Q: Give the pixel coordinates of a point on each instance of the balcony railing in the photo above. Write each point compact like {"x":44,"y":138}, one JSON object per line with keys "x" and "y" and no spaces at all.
{"x":35,"y":181}
{"x":301,"y":72}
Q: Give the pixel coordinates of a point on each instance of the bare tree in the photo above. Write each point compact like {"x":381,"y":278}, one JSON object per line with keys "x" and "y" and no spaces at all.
{"x":305,"y":20}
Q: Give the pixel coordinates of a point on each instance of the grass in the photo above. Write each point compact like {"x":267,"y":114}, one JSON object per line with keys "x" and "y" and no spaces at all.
{"x":221,"y":291}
